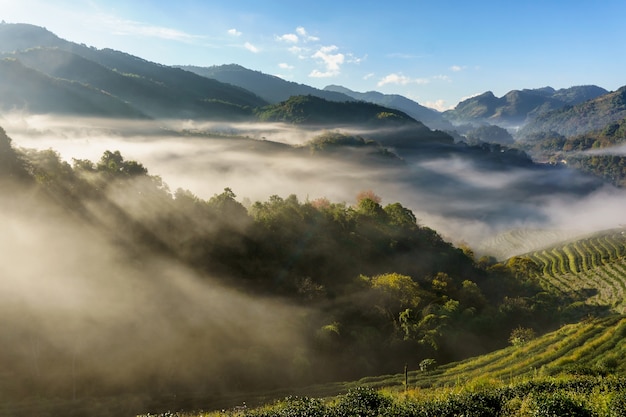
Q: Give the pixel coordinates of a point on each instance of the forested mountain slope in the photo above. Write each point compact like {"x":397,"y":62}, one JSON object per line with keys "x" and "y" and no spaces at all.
{"x":154,"y":89}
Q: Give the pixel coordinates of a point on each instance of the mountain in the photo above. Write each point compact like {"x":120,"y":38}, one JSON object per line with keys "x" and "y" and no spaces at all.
{"x":25,"y":89}
{"x":429,"y":117}
{"x":518,"y":106}
{"x":155,"y":89}
{"x":590,"y":115}
{"x":269,"y":87}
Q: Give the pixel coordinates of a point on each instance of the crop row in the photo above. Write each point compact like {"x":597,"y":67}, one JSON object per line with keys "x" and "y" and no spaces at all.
{"x":583,"y":343}
{"x":582,"y":255}
{"x":604,"y":285}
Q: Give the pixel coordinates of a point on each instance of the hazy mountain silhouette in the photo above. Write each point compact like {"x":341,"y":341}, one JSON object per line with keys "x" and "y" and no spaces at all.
{"x":428,"y":116}
{"x":155,"y":89}
{"x":269,"y":87}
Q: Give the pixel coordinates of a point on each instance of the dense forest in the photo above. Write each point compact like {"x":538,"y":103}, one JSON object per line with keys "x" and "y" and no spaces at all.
{"x":376,"y":289}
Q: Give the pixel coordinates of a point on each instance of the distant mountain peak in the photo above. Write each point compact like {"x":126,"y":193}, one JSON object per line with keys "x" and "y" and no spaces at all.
{"x":518,"y":106}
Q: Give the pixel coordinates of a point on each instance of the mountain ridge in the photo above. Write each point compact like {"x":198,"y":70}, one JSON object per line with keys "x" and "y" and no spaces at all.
{"x":269,"y":87}
{"x":430,"y":117}
{"x":519,"y":106}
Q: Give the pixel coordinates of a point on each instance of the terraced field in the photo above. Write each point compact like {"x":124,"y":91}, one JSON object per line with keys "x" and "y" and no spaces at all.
{"x":517,"y":241}
{"x":593,"y":268}
{"x":596,"y":345}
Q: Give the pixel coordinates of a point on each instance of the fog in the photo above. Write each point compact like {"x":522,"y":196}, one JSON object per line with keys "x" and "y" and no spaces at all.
{"x":81,"y":316}
{"x":465,"y":200}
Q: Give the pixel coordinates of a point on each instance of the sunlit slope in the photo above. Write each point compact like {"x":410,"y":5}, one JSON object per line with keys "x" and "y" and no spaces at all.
{"x":592,"y":268}
{"x":523,"y":240}
{"x":591,"y":346}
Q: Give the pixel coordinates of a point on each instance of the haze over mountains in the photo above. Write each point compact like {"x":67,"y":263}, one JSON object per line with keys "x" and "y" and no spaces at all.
{"x":113,"y":84}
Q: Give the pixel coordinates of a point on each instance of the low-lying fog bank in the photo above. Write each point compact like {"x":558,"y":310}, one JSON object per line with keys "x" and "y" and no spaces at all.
{"x":456,"y":196}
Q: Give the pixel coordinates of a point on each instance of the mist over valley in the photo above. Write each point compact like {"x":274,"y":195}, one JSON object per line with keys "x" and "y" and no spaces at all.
{"x":176,"y":241}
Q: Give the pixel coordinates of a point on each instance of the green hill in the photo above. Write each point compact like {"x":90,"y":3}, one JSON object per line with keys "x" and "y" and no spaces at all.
{"x":431,"y":118}
{"x":311,"y":110}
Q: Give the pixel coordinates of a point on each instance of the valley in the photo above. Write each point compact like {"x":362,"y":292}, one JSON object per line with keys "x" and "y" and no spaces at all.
{"x":189,"y":238}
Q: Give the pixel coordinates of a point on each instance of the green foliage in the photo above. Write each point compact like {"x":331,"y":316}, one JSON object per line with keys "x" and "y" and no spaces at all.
{"x":292,"y":407}
{"x":521,"y":335}
{"x":588,"y":116}
{"x":428,"y":364}
{"x":113,"y":163}
{"x":314,"y":110}
{"x":361,"y":401}
{"x":556,"y":405}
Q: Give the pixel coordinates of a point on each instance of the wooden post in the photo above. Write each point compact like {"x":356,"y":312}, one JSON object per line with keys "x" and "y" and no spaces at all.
{"x":406,"y":377}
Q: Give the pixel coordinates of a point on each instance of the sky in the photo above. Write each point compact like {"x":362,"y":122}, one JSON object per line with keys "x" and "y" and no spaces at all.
{"x":437,"y":53}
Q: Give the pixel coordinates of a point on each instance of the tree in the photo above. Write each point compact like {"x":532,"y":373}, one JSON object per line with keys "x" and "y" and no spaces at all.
{"x":400,"y":216}
{"x":114,"y":164}
{"x":521,"y":335}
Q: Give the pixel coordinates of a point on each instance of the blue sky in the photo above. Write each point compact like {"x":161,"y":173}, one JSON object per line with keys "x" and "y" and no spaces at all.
{"x":434,"y":52}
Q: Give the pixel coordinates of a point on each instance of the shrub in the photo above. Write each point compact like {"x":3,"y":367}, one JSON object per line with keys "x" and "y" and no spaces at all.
{"x":617,"y":404}
{"x":292,"y":407}
{"x":556,"y":404}
{"x":363,"y":402}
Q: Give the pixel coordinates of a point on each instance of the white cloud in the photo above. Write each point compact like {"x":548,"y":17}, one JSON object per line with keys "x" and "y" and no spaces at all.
{"x":288,"y":37}
{"x":234,"y":32}
{"x":285,"y":66}
{"x":442,"y":78}
{"x":305,"y":36}
{"x":331,"y":61}
{"x":456,"y":68}
{"x":355,"y":60}
{"x":470,"y":96}
{"x":439,"y":105}
{"x":250,"y":47}
{"x":368,"y":76}
{"x":401,"y":55}
{"x":319,"y":74}
{"x":130,"y":27}
{"x":400,"y":79}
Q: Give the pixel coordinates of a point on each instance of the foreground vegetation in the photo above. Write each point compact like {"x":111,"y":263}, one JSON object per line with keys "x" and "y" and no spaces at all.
{"x":537,"y":397}
{"x":574,"y":371}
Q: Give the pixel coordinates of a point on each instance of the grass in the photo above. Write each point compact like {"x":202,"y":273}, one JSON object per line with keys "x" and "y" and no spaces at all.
{"x":586,"y":354}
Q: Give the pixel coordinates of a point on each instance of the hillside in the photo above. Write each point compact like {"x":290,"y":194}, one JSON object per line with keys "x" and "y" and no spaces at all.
{"x":518,"y":106}
{"x":312,"y":110}
{"x":431,"y":118}
{"x":581,"y":118}
{"x":271,"y":88}
{"x":154,"y":89}
{"x":27,"y":90}
{"x":591,"y":268}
